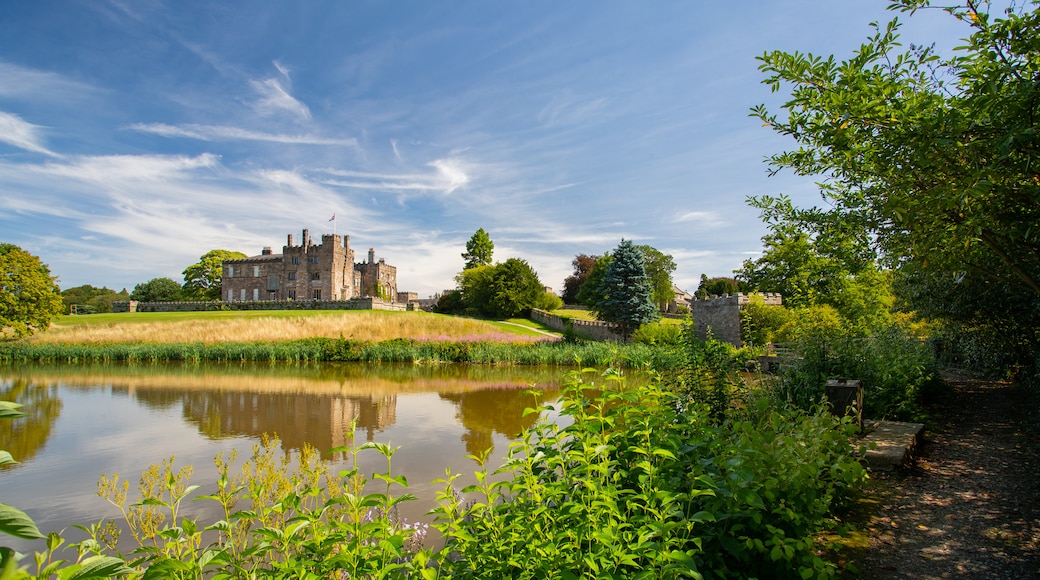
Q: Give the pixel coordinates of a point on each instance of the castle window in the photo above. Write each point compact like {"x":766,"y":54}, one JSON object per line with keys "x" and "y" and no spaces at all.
{"x":256,"y":271}
{"x":292,"y":275}
{"x":296,"y":260}
{"x":317,"y":293}
{"x":314,"y":260}
{"x":230,"y":271}
{"x":243,"y":294}
{"x":256,"y":293}
{"x":316,"y":276}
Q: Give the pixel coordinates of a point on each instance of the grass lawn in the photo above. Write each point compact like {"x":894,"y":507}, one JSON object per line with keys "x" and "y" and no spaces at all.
{"x":579,"y":314}
{"x":275,"y":325}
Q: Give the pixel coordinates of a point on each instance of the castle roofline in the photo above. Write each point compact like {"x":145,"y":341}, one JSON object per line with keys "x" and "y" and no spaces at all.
{"x":259,"y":257}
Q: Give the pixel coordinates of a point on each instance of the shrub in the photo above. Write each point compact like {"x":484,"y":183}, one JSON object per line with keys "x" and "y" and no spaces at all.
{"x":897,"y":370}
{"x":759,"y":323}
{"x":640,"y":485}
{"x":548,"y":301}
{"x":658,"y":334}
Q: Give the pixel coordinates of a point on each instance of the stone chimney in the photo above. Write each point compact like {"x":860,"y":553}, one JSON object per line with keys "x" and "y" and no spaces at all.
{"x":266,"y":251}
{"x":371,"y":255}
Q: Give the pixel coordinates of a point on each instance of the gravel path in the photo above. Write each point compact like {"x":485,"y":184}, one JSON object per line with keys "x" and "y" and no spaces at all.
{"x":970,"y":507}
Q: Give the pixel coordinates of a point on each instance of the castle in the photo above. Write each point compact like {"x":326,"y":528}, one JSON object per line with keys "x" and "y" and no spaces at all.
{"x":325,"y":271}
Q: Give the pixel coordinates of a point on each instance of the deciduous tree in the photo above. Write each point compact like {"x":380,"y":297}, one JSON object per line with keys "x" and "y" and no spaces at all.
{"x":583,"y":264}
{"x":29,"y":295}
{"x":89,"y":299}
{"x":659,"y":267}
{"x":479,"y":249}
{"x":589,"y":294}
{"x":932,"y":158}
{"x":157,"y":290}
{"x":717,"y":286}
{"x":202,"y":279}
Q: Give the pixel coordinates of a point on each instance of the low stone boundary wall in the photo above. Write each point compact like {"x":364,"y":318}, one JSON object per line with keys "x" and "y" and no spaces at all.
{"x":204,"y":306}
{"x":594,"y":329}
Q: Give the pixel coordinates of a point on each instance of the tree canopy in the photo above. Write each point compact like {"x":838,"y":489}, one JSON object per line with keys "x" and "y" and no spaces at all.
{"x":583,"y":264}
{"x":627,"y":294}
{"x":158,"y":290}
{"x":500,"y":291}
{"x":590,"y":292}
{"x":479,"y":249}
{"x":89,"y":299}
{"x":932,"y":159}
{"x":29,"y":295}
{"x":659,"y":267}
{"x":717,"y":286}
{"x":202,"y":279}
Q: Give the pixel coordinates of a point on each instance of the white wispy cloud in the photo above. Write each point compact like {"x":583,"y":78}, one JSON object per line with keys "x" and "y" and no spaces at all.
{"x":450,"y":175}
{"x":567,"y":109}
{"x":22,"y":82}
{"x":228,"y":133}
{"x":275,"y":95}
{"x":704,"y":219}
{"x":24,"y":135}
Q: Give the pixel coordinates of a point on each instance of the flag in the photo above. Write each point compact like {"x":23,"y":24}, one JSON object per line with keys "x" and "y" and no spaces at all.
{"x":333,"y":218}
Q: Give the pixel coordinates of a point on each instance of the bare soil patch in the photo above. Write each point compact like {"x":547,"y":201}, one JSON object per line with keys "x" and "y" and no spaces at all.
{"x":970,"y":506}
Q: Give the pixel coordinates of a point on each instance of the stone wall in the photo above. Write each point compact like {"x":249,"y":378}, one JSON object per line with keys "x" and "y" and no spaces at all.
{"x":722,"y":315}
{"x":355,"y":304}
{"x":592,"y":329}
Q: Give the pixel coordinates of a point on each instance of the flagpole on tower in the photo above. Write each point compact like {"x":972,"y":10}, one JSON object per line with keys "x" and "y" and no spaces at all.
{"x":333,"y":220}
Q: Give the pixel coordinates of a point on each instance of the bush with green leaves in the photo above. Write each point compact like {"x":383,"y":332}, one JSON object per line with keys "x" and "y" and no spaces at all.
{"x":642,"y":484}
{"x":897,"y":370}
{"x":658,"y":334}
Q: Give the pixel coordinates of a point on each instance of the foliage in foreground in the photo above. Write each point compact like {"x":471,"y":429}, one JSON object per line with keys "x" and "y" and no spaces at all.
{"x":643,"y":484}
{"x":638,"y":484}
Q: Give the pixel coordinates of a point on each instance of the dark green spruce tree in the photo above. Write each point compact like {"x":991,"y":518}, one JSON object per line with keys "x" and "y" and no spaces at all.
{"x":627,"y":295}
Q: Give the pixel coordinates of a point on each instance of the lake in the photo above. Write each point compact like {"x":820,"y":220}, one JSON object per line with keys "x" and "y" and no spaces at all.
{"x":88,"y":420}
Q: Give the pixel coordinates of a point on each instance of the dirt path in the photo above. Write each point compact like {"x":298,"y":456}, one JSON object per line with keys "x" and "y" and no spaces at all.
{"x":971,"y":505}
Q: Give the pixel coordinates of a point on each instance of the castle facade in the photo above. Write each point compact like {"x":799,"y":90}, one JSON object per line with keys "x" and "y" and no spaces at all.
{"x":309,"y":271}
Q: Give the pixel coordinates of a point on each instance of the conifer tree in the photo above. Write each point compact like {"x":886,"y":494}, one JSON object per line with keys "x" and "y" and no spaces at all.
{"x":627,"y":295}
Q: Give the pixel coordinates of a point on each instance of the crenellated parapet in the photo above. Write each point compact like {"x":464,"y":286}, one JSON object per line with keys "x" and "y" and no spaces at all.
{"x":722,"y":314}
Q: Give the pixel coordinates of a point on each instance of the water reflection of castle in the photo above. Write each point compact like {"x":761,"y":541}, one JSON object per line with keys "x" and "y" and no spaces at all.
{"x":323,"y":421}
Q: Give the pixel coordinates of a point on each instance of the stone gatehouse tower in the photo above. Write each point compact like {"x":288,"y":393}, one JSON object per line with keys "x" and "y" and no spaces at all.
{"x":309,"y":271}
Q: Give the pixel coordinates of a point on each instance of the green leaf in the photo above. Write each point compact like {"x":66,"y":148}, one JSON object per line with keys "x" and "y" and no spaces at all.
{"x":8,"y":564}
{"x":6,"y":458}
{"x":9,"y":410}
{"x":14,"y":522}
{"x":95,"y":567}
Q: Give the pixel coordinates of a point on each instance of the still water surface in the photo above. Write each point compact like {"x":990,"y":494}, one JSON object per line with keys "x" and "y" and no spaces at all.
{"x":89,"y":420}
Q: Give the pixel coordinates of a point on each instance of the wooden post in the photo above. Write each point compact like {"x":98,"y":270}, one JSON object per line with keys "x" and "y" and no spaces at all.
{"x":846,"y":398}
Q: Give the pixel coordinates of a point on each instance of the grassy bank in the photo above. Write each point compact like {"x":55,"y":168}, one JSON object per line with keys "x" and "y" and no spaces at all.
{"x":275,"y":325}
{"x":552,"y":353}
{"x":292,"y":336}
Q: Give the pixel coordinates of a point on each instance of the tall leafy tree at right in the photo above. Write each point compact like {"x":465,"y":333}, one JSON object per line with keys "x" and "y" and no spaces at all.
{"x":626,"y":293}
{"x":932,"y":159}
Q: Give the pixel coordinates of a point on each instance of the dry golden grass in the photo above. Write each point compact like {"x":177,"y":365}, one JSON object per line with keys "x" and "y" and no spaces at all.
{"x":364,"y":325}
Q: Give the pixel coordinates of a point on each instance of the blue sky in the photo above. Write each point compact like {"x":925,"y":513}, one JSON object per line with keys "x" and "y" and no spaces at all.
{"x":137,"y":135}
